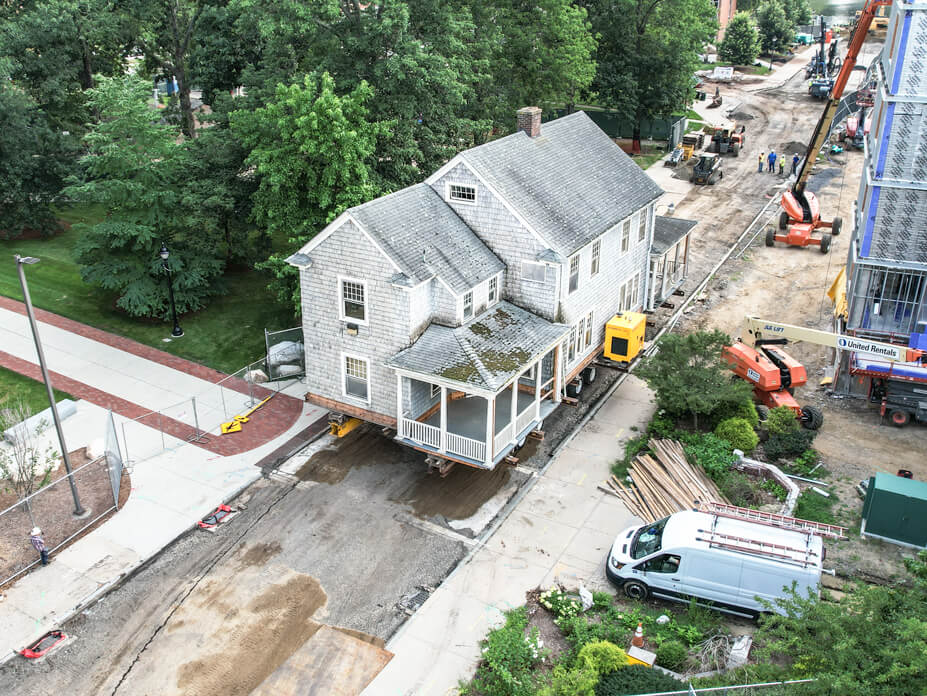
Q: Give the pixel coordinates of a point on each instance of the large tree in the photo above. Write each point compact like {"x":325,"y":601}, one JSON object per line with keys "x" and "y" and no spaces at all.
{"x":741,"y":43}
{"x":689,"y":377}
{"x":648,"y":51}
{"x":775,"y":28}
{"x":34,"y":161}
{"x":797,"y":11}
{"x":312,"y":153}
{"x":134,"y":170}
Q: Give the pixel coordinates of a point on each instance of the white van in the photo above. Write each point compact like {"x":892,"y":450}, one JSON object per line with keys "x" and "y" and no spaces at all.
{"x":716,"y":559}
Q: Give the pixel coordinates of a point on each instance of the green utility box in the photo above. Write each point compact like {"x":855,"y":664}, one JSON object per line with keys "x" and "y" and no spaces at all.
{"x":896,"y":510}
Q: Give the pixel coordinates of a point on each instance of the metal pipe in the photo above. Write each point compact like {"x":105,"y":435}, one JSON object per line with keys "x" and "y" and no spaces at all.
{"x":20,"y":260}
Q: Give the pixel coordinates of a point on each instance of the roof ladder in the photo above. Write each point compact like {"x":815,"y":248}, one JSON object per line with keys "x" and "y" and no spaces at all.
{"x":773,"y":520}
{"x":755,"y":546}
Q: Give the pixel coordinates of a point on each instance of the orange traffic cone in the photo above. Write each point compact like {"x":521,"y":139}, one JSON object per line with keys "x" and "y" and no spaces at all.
{"x":638,"y":639}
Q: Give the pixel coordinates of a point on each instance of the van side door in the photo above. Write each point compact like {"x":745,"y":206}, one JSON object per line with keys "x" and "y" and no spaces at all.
{"x":661,"y":573}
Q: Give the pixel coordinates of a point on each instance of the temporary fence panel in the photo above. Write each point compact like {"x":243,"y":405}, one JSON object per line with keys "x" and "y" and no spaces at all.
{"x":113,"y":457}
{"x":285,"y":353}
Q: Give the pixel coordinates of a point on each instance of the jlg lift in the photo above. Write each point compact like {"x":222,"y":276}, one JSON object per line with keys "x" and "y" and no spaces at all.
{"x":757,"y":358}
{"x":801,"y":216}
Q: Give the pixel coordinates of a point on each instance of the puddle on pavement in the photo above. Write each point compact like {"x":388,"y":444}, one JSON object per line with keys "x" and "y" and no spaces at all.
{"x":363,"y":447}
{"x":457,"y":496}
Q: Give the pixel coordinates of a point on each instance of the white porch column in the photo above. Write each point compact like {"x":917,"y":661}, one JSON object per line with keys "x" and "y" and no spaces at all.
{"x":514,"y":408}
{"x":557,"y":375}
{"x":399,"y":432}
{"x":490,"y":429}
{"x":537,"y":388}
{"x":444,"y":419}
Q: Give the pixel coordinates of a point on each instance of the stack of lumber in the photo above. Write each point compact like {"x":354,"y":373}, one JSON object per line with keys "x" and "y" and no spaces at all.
{"x":663,"y":483}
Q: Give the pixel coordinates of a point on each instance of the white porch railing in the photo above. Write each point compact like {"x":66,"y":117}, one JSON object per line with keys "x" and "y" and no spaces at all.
{"x":502,"y":438}
{"x":524,"y":419}
{"x":422,"y":432}
{"x":466,"y":447}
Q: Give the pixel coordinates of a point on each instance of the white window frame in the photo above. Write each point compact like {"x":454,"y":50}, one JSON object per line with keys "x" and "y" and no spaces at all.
{"x":571,"y":346}
{"x":463,"y":303}
{"x":341,"y":315}
{"x":572,"y":273}
{"x":449,"y":196}
{"x":529,"y":373}
{"x":596,"y":264}
{"x":435,"y":390}
{"x":492,"y":291}
{"x":625,"y":242}
{"x":533,"y":264}
{"x":642,"y":226}
{"x":344,"y":376}
{"x":589,"y":334}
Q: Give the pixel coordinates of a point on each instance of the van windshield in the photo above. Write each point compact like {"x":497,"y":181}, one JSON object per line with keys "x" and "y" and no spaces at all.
{"x":647,"y":539}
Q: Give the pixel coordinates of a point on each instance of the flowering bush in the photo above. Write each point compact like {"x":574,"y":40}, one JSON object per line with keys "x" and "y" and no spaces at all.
{"x":509,"y":657}
{"x":562,"y":605}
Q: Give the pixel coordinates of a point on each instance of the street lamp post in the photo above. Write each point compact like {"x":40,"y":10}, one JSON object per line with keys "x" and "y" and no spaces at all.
{"x":20,"y":260}
{"x":176,"y":332}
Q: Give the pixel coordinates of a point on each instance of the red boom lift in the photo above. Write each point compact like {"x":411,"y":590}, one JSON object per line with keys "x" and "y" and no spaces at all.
{"x":801,"y":216}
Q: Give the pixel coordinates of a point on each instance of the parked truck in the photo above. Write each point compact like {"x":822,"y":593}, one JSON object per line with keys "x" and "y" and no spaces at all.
{"x":729,"y":558}
{"x":901,"y":401}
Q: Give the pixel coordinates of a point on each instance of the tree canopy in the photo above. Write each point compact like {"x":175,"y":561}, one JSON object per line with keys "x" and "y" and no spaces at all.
{"x":775,"y":29}
{"x":741,"y":43}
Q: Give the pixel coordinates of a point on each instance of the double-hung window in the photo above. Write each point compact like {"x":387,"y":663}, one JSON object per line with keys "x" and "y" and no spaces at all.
{"x":625,"y":235}
{"x":468,"y":305}
{"x":589,"y":330}
{"x":571,"y":348}
{"x":493,"y":295}
{"x":354,"y":301}
{"x":531,"y":270}
{"x":459,"y":192}
{"x":596,"y":256}
{"x":642,"y":226}
{"x":357,"y":377}
{"x":574,"y":273}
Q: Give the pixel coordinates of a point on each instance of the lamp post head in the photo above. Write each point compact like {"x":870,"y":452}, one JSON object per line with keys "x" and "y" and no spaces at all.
{"x":164,"y":253}
{"x":26,"y":259}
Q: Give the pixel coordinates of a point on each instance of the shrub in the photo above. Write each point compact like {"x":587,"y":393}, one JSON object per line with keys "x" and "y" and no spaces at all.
{"x":788,"y":444}
{"x":781,"y":420}
{"x":562,"y":605}
{"x":672,"y":654}
{"x":775,"y":488}
{"x":601,"y":601}
{"x":814,"y":506}
{"x":601,"y":657}
{"x":632,"y":448}
{"x":738,"y":488}
{"x":636,"y":679}
{"x":745,"y":409}
{"x":508,"y":658}
{"x":710,"y":452}
{"x":579,"y":681}
{"x":805,"y":462}
{"x":739,"y":433}
{"x":662,"y":425}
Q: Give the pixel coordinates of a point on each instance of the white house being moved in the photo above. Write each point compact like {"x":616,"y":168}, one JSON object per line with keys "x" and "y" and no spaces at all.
{"x":458,"y":311}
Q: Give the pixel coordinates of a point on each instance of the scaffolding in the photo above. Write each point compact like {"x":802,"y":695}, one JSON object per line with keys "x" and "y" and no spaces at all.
{"x":887,"y":301}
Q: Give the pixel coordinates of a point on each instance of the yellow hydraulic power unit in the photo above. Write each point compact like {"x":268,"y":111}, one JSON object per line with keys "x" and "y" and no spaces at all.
{"x":624,"y":336}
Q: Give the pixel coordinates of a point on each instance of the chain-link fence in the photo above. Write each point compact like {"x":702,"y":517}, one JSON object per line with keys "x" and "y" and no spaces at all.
{"x":100,"y":488}
{"x":200,"y":418}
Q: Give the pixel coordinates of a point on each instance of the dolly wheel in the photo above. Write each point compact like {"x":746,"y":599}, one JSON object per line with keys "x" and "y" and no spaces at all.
{"x":811,"y":417}
{"x":900,"y":417}
{"x":825,"y":243}
{"x":783,"y":220}
{"x":770,"y":236}
{"x":836,"y":226}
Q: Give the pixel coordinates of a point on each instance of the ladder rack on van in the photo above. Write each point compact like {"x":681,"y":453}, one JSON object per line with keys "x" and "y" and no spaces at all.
{"x":773,"y":520}
{"x":755,"y":546}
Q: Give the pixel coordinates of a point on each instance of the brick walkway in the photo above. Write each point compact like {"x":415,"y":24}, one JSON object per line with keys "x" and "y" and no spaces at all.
{"x":265,"y":424}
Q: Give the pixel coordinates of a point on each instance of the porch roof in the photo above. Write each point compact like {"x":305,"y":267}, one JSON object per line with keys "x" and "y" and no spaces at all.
{"x":486,"y":353}
{"x":667,"y":231}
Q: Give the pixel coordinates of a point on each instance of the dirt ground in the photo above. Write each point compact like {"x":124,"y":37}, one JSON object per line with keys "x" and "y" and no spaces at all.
{"x":788,"y":284}
{"x":53,"y":511}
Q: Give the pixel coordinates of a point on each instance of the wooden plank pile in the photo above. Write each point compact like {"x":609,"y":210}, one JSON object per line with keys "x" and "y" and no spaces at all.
{"x":663,"y":483}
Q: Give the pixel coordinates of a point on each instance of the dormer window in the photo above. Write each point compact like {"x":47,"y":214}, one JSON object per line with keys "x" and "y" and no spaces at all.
{"x":468,"y":305}
{"x":493,"y":295}
{"x":461,"y":193}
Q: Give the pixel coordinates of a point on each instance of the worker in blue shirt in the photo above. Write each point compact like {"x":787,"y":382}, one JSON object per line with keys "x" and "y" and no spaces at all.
{"x":795,"y":160}
{"x":771,"y":159}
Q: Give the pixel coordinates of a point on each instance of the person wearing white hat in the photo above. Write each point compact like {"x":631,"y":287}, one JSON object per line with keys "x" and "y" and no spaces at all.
{"x":39,"y":544}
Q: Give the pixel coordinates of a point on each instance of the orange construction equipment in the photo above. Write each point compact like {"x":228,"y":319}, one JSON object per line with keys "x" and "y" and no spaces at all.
{"x":801,"y":217}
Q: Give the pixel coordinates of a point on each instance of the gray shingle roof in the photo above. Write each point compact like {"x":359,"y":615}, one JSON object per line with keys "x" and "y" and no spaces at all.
{"x":667,"y":231}
{"x":571,"y":183}
{"x":485,"y":353}
{"x":425,"y":237}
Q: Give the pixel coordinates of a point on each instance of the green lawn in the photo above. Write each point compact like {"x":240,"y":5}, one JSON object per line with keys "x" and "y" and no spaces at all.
{"x":227,"y":335}
{"x":648,"y":157}
{"x":14,"y":386}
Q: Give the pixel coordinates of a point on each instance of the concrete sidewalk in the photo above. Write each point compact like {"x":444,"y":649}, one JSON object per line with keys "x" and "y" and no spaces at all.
{"x":172,"y":489}
{"x":560,"y":530}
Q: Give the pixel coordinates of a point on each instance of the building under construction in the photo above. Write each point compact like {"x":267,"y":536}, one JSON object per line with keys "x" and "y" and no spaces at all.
{"x":886,"y":286}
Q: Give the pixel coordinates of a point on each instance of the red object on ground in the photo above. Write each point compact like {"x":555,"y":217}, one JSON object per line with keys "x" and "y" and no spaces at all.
{"x":214,"y":519}
{"x":43,"y":645}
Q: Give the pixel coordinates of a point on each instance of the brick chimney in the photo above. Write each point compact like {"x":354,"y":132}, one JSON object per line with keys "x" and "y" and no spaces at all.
{"x":529,"y":121}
